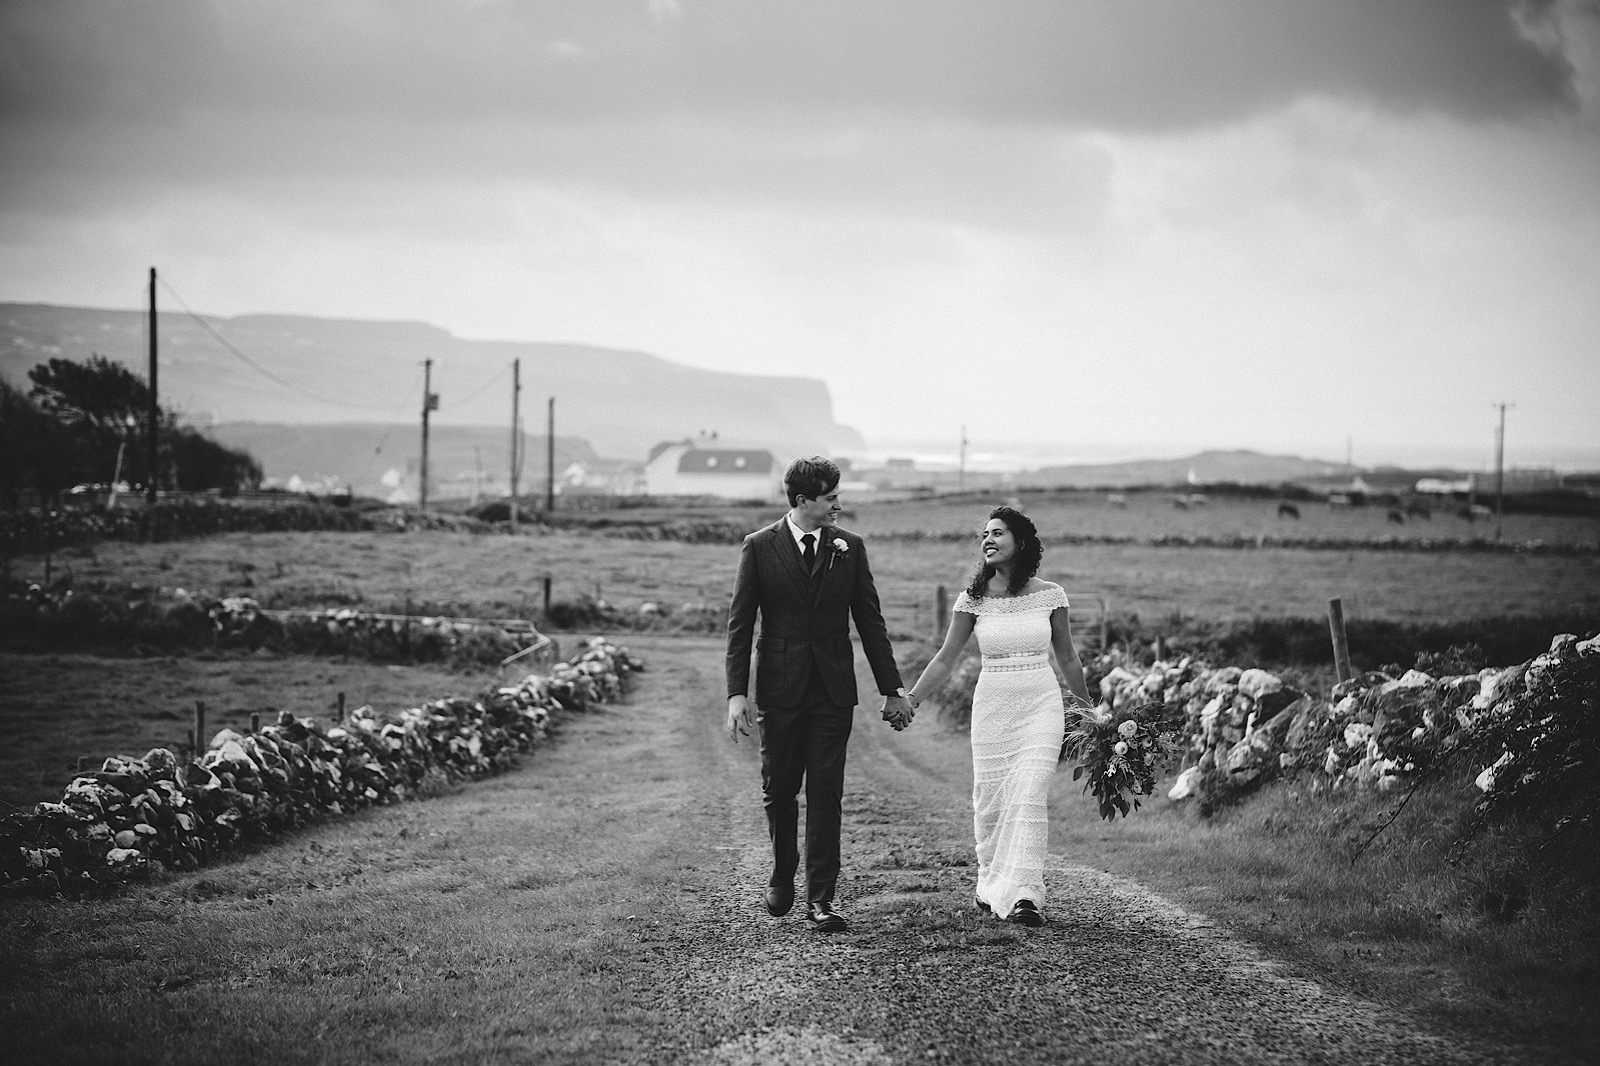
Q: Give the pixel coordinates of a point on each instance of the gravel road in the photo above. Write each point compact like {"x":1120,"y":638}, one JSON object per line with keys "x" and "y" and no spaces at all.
{"x":1118,"y":975}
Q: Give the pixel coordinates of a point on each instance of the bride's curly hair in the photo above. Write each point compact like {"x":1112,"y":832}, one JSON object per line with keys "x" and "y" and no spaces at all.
{"x":1030,"y":553}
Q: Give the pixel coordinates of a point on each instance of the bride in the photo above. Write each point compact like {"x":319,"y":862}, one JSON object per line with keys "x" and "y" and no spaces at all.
{"x":1018,"y":717}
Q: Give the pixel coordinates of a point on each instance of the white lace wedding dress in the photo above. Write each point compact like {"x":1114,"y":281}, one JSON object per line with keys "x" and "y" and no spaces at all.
{"x":1018,"y":719}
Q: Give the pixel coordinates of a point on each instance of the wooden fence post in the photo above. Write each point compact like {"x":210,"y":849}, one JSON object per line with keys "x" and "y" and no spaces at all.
{"x":338,"y":717}
{"x":546,"y":596}
{"x":1341,"y":643}
{"x":255,"y":721}
{"x":941,"y":610}
{"x":1160,"y":648}
{"x":199,"y":722}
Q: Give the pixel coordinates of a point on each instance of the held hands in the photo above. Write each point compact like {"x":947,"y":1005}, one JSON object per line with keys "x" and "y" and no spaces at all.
{"x":898,"y":711}
{"x":740,"y":719}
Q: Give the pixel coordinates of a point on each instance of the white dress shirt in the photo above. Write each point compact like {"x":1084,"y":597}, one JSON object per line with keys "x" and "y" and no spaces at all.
{"x":797,"y":533}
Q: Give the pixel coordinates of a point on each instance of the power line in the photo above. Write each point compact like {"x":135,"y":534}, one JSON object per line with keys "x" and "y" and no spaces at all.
{"x":481,"y":389}
{"x":388,"y":430}
{"x":263,"y":371}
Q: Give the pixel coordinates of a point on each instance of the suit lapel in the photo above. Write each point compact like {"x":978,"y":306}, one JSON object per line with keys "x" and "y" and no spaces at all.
{"x":789,"y":552}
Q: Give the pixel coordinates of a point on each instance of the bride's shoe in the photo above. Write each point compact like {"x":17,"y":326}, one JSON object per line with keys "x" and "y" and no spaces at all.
{"x":1025,"y":913}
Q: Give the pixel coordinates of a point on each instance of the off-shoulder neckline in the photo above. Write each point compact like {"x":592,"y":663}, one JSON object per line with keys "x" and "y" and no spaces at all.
{"x":1020,"y":595}
{"x":1048,"y":590}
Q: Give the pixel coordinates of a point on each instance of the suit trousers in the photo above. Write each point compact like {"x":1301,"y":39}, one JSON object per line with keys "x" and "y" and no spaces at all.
{"x":805,"y":742}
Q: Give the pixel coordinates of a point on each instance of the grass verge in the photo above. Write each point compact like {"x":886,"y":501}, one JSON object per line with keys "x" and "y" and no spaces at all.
{"x":1483,"y":933}
{"x":514,"y":920}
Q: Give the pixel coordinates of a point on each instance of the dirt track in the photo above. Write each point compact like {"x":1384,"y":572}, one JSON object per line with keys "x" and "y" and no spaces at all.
{"x":602,"y":903}
{"x":1118,"y":974}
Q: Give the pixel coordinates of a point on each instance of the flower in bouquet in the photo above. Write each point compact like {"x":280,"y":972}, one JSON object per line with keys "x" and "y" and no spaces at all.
{"x":1121,"y":752}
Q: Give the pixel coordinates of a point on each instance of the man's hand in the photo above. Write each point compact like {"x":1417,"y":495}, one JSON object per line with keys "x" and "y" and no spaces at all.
{"x":739,"y":717}
{"x":897,"y":712}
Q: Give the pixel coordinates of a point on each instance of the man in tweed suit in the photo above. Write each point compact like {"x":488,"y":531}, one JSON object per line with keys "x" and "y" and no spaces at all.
{"x":806,"y":578}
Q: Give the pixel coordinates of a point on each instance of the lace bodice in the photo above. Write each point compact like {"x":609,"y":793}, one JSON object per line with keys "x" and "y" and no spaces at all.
{"x":1046,"y":599}
{"x":1015,"y":628}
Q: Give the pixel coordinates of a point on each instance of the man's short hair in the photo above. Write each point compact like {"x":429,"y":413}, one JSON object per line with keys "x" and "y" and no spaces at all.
{"x":812,"y":477}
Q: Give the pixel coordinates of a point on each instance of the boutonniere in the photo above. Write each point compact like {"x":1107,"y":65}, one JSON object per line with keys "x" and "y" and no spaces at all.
{"x":840,"y":546}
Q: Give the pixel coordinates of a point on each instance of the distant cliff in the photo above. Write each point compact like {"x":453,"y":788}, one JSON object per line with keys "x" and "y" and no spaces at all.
{"x":336,"y":370}
{"x":1242,"y":466}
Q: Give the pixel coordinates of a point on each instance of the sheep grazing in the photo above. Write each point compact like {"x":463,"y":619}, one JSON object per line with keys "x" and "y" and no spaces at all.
{"x":1476,"y":512}
{"x":1288,"y":510}
{"x":1338,"y":500}
{"x":1396,"y":517}
{"x":1418,"y":509}
{"x":1117,"y":499}
{"x":1181,"y":502}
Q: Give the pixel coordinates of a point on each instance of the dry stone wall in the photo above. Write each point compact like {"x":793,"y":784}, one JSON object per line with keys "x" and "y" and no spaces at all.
{"x":135,"y":816}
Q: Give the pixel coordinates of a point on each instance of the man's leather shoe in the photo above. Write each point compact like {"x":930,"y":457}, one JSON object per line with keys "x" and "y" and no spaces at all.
{"x":779,"y":899}
{"x":824,"y":919}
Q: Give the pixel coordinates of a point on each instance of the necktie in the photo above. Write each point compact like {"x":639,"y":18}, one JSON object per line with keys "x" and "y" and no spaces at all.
{"x":810,"y":553}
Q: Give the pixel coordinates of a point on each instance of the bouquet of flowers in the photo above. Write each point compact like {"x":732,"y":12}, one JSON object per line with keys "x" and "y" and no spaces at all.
{"x":1121,"y":751}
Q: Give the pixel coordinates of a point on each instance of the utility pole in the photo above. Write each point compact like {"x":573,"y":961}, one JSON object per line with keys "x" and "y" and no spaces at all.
{"x":961,"y":466}
{"x":516,"y":436}
{"x":1500,"y":471}
{"x":550,"y":460}
{"x":155,"y":403}
{"x":430,"y":402}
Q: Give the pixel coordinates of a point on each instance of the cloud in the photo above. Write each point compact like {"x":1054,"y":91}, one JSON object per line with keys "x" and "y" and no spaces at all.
{"x":1139,"y":64}
{"x":936,"y":107}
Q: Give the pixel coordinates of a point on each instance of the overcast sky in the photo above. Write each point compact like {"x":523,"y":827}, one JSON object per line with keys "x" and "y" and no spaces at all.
{"x":1125,"y":227}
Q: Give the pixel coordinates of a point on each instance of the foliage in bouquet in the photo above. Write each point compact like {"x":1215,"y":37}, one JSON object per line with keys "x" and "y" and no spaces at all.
{"x":1120,"y":752}
{"x":1541,"y":744}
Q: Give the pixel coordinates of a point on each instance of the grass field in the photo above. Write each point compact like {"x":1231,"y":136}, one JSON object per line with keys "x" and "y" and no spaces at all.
{"x":498,"y":576}
{"x":1151,"y":514}
{"x":1141,"y":515}
{"x":54,"y":708}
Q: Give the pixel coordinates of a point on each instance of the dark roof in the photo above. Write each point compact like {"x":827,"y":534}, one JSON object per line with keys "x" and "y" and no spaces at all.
{"x":725,"y":461}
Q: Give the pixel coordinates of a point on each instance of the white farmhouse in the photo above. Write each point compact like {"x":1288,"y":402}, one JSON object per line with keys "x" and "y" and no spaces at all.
{"x":704,"y":468}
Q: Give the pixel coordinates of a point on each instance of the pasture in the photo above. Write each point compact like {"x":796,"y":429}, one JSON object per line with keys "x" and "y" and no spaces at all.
{"x":499,"y":576}
{"x":1146,"y":515}
{"x":55,"y":708}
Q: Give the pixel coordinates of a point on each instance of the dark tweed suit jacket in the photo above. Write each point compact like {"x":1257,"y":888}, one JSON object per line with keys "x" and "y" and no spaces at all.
{"x":805,"y":621}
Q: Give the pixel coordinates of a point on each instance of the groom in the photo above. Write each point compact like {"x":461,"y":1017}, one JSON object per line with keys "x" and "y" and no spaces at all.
{"x":807,"y":578}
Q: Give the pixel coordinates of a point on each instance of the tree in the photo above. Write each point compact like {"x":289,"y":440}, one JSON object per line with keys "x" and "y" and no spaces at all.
{"x":99,"y":393}
{"x":70,"y":428}
{"x":201,"y":463}
{"x":37,"y":453}
{"x":106,"y":407}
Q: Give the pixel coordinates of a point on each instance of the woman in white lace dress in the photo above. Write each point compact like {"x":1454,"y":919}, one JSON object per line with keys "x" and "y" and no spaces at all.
{"x":1018,"y":715}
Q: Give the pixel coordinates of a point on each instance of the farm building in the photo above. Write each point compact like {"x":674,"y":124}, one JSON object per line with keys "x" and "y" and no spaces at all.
{"x":708,"y":468}
{"x":1438,"y":486}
